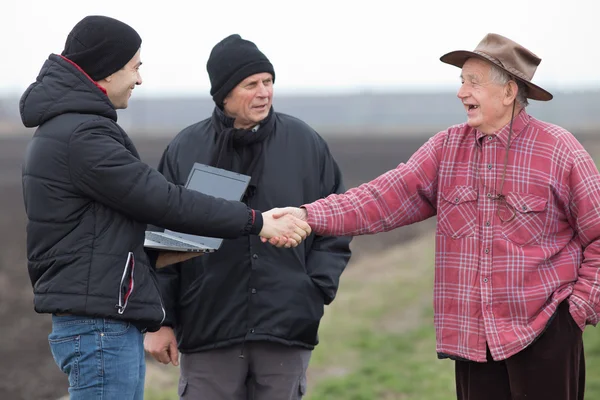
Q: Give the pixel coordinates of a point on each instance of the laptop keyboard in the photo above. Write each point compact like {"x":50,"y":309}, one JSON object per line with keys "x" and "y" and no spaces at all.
{"x":168,"y":242}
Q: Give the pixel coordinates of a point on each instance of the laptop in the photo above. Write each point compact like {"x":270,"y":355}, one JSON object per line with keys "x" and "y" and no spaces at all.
{"x":209,"y":180}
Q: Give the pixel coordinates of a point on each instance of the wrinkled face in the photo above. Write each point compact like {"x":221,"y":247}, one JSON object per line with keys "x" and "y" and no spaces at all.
{"x":120,"y":84}
{"x":250,"y":101}
{"x":488,"y":104}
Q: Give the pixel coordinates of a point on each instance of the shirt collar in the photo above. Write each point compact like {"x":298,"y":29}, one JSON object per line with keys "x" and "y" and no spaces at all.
{"x":225,"y":120}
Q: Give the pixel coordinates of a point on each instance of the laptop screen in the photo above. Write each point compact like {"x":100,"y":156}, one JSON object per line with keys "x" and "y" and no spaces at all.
{"x":215,"y":182}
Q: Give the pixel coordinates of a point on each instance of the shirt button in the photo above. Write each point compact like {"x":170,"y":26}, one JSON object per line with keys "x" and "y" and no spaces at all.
{"x":252,"y":330}
{"x":456,"y":200}
{"x":490,"y":138}
{"x":524,"y":208}
{"x":255,"y":256}
{"x":489,"y":195}
{"x":487,"y":223}
{"x":253,"y":290}
{"x":485,"y":280}
{"x":489,"y":166}
{"x":487,"y":251}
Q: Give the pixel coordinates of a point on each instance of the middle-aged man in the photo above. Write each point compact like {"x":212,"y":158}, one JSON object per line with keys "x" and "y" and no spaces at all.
{"x":517,"y":274}
{"x":246,"y":317}
{"x":88,"y":198}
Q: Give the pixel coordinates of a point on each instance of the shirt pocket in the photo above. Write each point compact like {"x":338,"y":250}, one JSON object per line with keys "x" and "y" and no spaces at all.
{"x":527,"y":225}
{"x":457,"y":212}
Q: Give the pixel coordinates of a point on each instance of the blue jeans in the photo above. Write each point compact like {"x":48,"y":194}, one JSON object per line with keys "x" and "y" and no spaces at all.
{"x":104,"y":358}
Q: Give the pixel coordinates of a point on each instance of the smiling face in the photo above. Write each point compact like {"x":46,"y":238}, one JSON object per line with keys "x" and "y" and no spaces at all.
{"x":119,"y":86}
{"x":250,"y":101}
{"x":488,"y":104}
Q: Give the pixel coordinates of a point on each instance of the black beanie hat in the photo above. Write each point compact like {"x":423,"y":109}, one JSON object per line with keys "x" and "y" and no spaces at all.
{"x":101,"y":45}
{"x":231,"y":61}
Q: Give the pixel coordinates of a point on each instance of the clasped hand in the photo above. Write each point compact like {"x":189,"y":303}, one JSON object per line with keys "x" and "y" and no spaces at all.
{"x":285,"y":227}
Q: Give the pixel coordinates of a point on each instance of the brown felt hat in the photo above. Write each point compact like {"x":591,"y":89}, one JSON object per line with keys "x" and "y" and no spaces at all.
{"x":507,"y":55}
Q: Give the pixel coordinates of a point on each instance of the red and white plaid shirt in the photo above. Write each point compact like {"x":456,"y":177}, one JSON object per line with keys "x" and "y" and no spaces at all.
{"x":496,"y":282}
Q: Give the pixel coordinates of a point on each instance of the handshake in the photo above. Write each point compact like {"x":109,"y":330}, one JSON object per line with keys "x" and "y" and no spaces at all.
{"x":282,"y":227}
{"x":285,"y":227}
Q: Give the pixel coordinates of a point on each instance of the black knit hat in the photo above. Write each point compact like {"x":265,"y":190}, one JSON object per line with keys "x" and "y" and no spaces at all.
{"x":231,"y":61}
{"x":101,"y":45}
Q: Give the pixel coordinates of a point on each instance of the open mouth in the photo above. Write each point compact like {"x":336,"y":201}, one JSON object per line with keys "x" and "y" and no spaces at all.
{"x":472,"y":107}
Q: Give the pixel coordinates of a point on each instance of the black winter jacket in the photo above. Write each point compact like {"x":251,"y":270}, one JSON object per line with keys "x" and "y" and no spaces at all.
{"x":88,"y":198}
{"x":248,"y":290}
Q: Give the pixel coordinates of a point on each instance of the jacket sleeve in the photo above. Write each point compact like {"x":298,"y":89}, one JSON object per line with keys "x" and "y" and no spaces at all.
{"x":104,"y":169}
{"x":329,"y":255}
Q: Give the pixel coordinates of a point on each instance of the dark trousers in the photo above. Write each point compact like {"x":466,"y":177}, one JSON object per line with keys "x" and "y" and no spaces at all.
{"x":267,"y":371}
{"x":552,"y":368}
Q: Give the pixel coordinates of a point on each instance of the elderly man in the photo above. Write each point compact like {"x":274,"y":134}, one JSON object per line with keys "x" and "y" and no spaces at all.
{"x":247,"y":317}
{"x":517,"y":273}
{"x":88,"y":198}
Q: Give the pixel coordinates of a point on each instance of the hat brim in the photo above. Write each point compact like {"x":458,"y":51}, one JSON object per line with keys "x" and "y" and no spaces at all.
{"x":459,"y":57}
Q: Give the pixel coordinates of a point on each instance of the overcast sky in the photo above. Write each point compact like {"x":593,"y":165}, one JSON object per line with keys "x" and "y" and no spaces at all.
{"x":315,"y":46}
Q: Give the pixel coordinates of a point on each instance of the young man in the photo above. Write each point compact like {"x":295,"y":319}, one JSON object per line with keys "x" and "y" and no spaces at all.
{"x":88,"y":198}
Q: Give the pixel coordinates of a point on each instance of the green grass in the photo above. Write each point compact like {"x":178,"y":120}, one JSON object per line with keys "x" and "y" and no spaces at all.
{"x":157,"y":394}
{"x":378,"y":337}
{"x":392,"y":367}
{"x":591,"y":344}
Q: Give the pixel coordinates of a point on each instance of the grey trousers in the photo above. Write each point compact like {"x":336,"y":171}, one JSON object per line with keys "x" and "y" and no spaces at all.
{"x":267,"y":371}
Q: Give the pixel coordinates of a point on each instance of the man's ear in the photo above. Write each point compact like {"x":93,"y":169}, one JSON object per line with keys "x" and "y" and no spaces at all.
{"x":510,"y":92}
{"x":107,"y":79}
